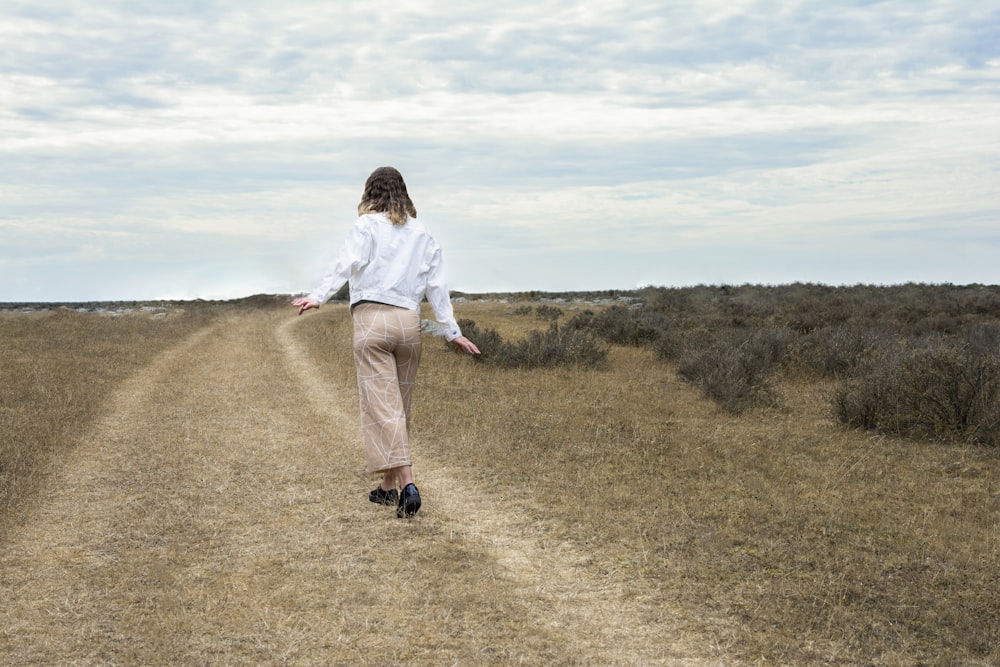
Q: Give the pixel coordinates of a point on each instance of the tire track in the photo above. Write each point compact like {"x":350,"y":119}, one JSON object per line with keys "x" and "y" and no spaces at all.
{"x":184,"y":529}
{"x":555,"y":582}
{"x":45,"y":564}
{"x":217,"y":514}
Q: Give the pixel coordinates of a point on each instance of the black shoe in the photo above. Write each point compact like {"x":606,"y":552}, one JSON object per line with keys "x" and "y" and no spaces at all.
{"x":382,"y":497}
{"x":409,"y":501}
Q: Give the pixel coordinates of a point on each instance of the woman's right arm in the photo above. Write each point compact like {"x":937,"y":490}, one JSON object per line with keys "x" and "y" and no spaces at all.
{"x":353,"y":255}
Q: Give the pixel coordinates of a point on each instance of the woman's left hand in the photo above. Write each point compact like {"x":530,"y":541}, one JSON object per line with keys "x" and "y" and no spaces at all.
{"x":465,"y":345}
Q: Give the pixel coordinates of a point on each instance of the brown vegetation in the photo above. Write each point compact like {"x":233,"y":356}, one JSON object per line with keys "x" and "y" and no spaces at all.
{"x":58,"y":367}
{"x":576,"y":513}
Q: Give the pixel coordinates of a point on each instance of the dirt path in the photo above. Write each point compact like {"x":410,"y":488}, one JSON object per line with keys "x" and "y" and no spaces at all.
{"x":216,"y":515}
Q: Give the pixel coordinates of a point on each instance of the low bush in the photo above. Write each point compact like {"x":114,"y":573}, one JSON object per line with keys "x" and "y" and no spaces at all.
{"x":672,"y":343}
{"x":909,"y":356}
{"x":540,"y":349}
{"x":523,"y":309}
{"x":835,"y":351}
{"x":622,"y":325}
{"x":547,"y":312}
{"x":932,"y":389}
{"x":489,"y":342}
{"x":737,"y":370}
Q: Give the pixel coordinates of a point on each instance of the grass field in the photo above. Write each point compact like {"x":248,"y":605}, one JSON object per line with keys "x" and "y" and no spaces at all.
{"x":188,"y":487}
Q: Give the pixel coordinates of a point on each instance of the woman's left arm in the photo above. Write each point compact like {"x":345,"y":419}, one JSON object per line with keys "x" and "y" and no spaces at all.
{"x":465,"y":345}
{"x":437,"y":295}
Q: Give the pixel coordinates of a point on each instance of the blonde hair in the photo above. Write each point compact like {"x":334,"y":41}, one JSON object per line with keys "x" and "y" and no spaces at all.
{"x":385,"y":192}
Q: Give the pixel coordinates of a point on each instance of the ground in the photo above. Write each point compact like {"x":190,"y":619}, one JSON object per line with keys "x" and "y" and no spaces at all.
{"x":217,"y":513}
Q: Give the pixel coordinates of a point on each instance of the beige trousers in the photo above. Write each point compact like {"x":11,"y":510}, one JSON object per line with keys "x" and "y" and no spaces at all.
{"x":386,"y":354}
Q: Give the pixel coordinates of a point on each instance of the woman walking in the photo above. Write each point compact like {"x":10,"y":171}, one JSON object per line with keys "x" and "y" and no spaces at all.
{"x":392,"y":263}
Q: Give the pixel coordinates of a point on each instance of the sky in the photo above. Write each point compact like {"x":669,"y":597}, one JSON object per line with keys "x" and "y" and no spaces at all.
{"x":218,"y":149}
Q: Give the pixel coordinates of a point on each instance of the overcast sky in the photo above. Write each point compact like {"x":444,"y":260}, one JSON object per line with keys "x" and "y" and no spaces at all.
{"x":199,"y":149}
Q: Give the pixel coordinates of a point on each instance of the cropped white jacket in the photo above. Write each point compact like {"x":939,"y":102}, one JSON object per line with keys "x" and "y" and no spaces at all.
{"x":393,"y":264}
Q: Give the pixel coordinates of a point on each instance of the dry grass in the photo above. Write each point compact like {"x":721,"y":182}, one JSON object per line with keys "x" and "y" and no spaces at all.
{"x":205,"y":503}
{"x":785,"y":537}
{"x":58,"y":367}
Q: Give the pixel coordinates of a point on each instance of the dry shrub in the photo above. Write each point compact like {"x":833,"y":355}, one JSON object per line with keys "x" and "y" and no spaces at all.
{"x":522,"y":309}
{"x":540,"y":349}
{"x":548,"y":313}
{"x":737,"y":370}
{"x":837,"y":350}
{"x":734,"y":342}
{"x":942,"y":389}
{"x":622,"y":325}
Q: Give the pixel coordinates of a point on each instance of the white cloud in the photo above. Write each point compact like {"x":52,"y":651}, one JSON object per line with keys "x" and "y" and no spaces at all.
{"x":549,"y":130}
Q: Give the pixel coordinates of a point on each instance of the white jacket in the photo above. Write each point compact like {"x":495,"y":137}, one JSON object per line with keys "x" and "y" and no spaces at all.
{"x":393,"y":264}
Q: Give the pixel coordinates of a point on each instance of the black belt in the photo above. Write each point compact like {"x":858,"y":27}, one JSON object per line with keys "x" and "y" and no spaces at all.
{"x":377,"y":303}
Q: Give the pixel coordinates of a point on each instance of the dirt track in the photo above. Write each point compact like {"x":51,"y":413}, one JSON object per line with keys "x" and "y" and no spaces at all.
{"x":216,"y":514}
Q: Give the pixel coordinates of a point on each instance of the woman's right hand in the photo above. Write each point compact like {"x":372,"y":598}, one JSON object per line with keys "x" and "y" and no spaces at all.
{"x":305,"y":303}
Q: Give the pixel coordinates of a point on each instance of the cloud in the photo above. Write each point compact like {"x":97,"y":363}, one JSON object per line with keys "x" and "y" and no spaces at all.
{"x":549,"y":131}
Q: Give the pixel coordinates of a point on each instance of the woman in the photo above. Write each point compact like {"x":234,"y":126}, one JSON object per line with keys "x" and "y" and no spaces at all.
{"x":392,"y":263}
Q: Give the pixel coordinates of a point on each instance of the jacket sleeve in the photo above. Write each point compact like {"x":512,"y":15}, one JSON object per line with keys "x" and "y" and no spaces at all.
{"x":354,"y":254}
{"x":438,"y":297}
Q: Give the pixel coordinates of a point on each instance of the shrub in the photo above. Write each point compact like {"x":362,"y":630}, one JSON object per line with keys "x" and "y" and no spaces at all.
{"x":554,"y":347}
{"x":582,"y":320}
{"x":872,"y":399}
{"x":488,"y":341}
{"x":671,"y":344}
{"x":622,"y":325}
{"x":837,"y":350}
{"x":942,"y":389}
{"x":736,"y":371}
{"x":546,"y":312}
{"x":731,"y":340}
